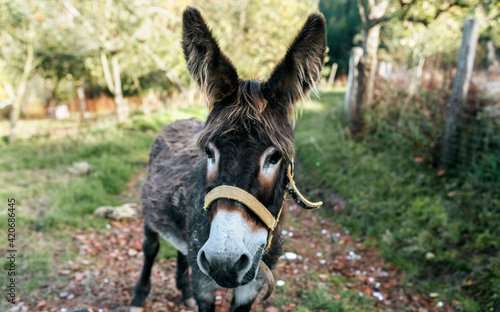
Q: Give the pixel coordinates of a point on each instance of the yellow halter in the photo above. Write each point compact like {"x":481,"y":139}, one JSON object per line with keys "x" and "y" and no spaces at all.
{"x":247,"y":199}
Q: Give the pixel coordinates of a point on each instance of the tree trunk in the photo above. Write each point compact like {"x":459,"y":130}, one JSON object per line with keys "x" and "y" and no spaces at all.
{"x":352,"y":85}
{"x":16,"y":104}
{"x":107,"y":73}
{"x":243,"y":14}
{"x":459,"y":91}
{"x":367,"y":65}
{"x":331,"y":79}
{"x":493,"y":64}
{"x":80,"y":91}
{"x":121,"y":105}
{"x":416,"y":76}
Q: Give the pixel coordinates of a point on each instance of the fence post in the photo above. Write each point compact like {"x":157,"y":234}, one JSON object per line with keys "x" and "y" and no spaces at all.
{"x":459,"y":91}
{"x":352,"y":84}
{"x":329,"y":85}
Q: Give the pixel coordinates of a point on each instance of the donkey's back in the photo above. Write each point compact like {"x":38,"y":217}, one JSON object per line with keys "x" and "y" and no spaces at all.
{"x":174,"y":172}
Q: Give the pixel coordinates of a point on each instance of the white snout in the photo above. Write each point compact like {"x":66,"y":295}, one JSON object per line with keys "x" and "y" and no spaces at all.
{"x":231,"y":249}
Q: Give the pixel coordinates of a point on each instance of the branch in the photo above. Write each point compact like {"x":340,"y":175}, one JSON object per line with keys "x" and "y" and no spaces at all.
{"x":77,"y":14}
{"x":456,"y":3}
{"x":405,"y":9}
{"x":170,"y":75}
{"x":382,"y":19}
{"x":362,"y":12}
{"x":107,"y":73}
{"x":10,"y":91}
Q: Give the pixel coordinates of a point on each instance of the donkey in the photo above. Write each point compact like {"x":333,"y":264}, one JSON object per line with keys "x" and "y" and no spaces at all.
{"x":216,"y":190}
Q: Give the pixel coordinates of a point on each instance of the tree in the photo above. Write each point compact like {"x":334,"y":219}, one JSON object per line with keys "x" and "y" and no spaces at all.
{"x":343,"y":24}
{"x":373,"y":14}
{"x":255,"y":34}
{"x":460,"y":89}
{"x":17,"y":22}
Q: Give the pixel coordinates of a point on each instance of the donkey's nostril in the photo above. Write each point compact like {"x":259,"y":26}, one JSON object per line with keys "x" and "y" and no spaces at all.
{"x":243,"y":263}
{"x":204,"y":261}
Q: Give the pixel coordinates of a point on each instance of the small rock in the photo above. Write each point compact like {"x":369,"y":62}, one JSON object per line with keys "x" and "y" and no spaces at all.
{"x":63,"y":294}
{"x":290,"y":255}
{"x":378,"y":295}
{"x":132,"y":252}
{"x":80,"y":168}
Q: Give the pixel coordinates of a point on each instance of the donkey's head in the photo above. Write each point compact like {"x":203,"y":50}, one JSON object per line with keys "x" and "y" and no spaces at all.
{"x":248,"y":141}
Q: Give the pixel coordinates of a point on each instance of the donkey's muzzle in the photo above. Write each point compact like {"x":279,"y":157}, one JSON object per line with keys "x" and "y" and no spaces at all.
{"x":233,"y":250}
{"x":225,"y":270}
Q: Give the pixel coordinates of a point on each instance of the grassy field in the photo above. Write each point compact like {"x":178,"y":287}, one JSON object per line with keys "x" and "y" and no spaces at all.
{"x":53,"y":203}
{"x":441,"y":228}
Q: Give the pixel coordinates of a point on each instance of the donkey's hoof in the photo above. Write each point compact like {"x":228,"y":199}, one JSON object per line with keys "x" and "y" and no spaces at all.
{"x":190,"y":303}
{"x":136,"y":309}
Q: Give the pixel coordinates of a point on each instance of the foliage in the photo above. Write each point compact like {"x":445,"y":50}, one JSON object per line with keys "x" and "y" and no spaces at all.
{"x":442,"y":229}
{"x":343,"y":24}
{"x":254,"y":36}
{"x":145,"y":36}
{"x":411,"y":29}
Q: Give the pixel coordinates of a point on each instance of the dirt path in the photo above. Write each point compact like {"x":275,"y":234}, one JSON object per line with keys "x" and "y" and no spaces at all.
{"x":320,"y":257}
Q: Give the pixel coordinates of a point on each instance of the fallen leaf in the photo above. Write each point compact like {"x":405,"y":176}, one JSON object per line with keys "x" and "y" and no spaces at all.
{"x":441,"y":172}
{"x":78,"y":276}
{"x":272,"y":309}
{"x":418,"y":159}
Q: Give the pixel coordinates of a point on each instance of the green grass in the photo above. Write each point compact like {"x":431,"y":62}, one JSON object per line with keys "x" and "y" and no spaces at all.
{"x":442,"y":230}
{"x":350,"y":300}
{"x":51,"y":201}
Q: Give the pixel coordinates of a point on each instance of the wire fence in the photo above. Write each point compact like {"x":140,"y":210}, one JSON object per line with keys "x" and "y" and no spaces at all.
{"x":476,"y":145}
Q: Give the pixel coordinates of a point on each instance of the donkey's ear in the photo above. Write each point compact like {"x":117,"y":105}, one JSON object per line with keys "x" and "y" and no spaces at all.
{"x":209,"y":67}
{"x":297,"y":73}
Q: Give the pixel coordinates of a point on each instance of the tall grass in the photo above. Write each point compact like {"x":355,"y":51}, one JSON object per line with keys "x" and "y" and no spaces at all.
{"x":441,"y":227}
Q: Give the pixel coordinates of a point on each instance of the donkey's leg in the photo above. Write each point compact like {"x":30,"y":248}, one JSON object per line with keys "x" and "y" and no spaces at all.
{"x":203,"y":290}
{"x":150,"y":248}
{"x":244,"y":296}
{"x":183,"y":280}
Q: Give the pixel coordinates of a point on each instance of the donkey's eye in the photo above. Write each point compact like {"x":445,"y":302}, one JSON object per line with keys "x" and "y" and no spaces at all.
{"x":274,"y":158}
{"x":209,"y":152}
